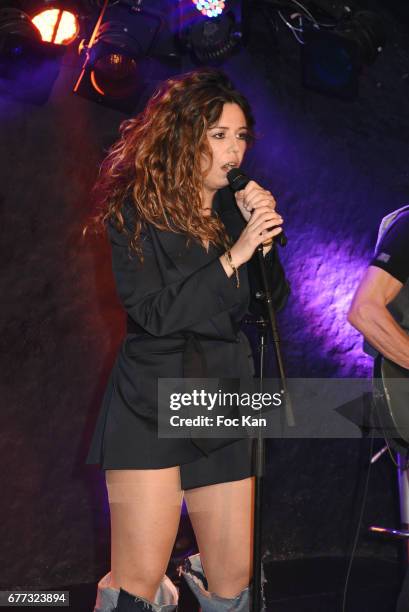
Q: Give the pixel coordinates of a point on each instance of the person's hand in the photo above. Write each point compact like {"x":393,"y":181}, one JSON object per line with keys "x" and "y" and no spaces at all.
{"x":257,"y":205}
{"x":252,"y":197}
{"x":264,"y":224}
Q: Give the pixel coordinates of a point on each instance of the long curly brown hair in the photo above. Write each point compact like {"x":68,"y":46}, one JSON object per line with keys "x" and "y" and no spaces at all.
{"x":157,"y":162}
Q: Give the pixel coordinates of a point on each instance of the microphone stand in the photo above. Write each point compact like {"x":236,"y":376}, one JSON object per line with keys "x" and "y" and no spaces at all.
{"x":271,"y":322}
{"x":238,"y":181}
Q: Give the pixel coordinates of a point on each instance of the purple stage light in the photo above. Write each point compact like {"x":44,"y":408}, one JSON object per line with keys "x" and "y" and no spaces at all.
{"x":322,"y":290}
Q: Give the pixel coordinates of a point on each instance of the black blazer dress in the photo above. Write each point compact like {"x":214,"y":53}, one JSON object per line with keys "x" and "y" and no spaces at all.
{"x":183,"y":320}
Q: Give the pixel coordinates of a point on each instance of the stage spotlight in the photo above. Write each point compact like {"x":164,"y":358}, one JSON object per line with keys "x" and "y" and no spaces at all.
{"x":209,"y":8}
{"x":115,"y":76}
{"x":28,"y":66}
{"x":113,"y":73}
{"x":57,"y":26}
{"x":332,"y":60}
{"x":215,"y":35}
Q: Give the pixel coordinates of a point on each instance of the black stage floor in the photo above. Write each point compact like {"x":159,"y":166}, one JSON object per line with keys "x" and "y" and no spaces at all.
{"x":313,"y":585}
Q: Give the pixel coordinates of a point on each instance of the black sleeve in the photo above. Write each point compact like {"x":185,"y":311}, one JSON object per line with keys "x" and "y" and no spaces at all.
{"x":160,"y":309}
{"x":392,"y":254}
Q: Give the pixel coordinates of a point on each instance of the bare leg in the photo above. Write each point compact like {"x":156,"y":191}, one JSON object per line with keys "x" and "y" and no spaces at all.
{"x":222,"y":518}
{"x":145,"y":510}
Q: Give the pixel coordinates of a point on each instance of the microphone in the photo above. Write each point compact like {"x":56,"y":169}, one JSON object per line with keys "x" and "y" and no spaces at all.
{"x":237,"y":181}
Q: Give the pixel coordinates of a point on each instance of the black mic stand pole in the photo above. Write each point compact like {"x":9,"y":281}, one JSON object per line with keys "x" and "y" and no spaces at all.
{"x":260,"y":444}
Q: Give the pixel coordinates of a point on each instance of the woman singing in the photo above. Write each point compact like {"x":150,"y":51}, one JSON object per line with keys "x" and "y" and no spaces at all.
{"x":182,"y":253}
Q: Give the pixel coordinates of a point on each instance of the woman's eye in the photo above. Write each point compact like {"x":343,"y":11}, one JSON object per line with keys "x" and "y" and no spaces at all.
{"x":244,"y":136}
{"x":219,"y":135}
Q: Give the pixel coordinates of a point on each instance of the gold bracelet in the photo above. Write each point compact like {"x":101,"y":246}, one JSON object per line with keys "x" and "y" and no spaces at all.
{"x":233,"y":267}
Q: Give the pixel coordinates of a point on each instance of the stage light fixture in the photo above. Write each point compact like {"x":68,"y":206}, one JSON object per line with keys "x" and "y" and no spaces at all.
{"x":57,"y":25}
{"x":332,"y":60}
{"x":215,"y":34}
{"x":114,"y":57}
{"x":209,"y":8}
{"x":28,"y":65}
{"x":115,"y":76}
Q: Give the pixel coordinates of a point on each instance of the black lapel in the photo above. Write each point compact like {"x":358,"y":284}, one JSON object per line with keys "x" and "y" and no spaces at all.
{"x":186,"y":259}
{"x":191,"y":258}
{"x":225,"y":206}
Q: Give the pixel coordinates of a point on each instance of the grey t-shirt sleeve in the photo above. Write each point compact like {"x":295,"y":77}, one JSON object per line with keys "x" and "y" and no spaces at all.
{"x":392,"y":254}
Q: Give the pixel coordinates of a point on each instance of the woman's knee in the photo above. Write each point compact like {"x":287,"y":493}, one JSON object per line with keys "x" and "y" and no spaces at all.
{"x":142,"y":581}
{"x":236,"y":571}
{"x":228,"y":576}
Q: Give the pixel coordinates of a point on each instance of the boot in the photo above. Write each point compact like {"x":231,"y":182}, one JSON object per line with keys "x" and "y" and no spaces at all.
{"x":166,"y":597}
{"x":127,"y":602}
{"x":193,"y":573}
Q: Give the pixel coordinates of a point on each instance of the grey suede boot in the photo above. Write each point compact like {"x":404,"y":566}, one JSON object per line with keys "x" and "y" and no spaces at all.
{"x":166,"y":598}
{"x":127,"y":602}
{"x":193,"y":573}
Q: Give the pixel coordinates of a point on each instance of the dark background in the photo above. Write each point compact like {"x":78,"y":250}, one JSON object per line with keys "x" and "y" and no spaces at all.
{"x":335,"y":168}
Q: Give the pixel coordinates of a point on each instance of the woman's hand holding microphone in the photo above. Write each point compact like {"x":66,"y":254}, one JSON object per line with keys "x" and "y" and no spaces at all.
{"x":257,"y":206}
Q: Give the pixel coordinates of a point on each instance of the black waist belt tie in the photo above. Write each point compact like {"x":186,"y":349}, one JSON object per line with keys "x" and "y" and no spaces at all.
{"x":194,"y":366}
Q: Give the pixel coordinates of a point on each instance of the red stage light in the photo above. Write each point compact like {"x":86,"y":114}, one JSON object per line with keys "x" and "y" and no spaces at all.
{"x":57,"y":26}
